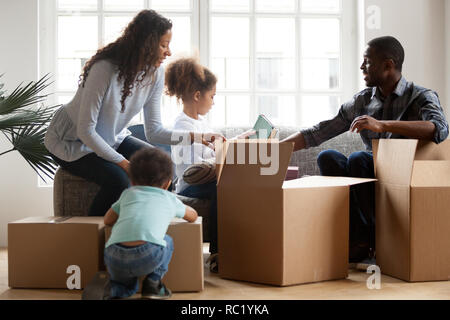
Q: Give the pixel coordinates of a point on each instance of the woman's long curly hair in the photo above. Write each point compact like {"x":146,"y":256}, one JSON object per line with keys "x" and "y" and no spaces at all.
{"x":135,"y":51}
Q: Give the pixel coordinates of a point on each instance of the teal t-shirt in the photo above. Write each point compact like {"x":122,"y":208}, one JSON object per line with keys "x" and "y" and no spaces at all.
{"x":144,"y":214}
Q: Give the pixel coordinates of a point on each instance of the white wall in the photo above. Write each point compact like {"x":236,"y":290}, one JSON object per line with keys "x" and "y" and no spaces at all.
{"x":19,"y":195}
{"x":420,"y":26}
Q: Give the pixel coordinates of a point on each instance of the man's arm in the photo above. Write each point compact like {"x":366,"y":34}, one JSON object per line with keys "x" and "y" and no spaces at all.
{"x":423,"y":130}
{"x":298,"y":139}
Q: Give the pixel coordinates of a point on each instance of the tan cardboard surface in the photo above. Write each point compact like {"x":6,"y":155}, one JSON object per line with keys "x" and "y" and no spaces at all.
{"x":243,"y":159}
{"x":431,"y":174}
{"x":277,"y":232}
{"x":430,"y":234}
{"x":394,"y":160}
{"x":412,"y":209}
{"x":185,"y":272}
{"x":321,"y":181}
{"x":40,"y":250}
{"x":393,"y":229}
{"x":316,"y":235}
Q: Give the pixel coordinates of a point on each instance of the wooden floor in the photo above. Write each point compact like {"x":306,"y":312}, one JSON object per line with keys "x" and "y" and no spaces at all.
{"x":352,"y":288}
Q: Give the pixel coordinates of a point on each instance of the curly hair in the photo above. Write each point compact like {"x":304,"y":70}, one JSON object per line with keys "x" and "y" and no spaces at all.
{"x":150,"y":167}
{"x":135,"y":51}
{"x":186,"y":76}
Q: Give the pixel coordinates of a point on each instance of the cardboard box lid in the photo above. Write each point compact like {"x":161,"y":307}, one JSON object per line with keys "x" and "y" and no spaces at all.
{"x":394,"y":158}
{"x":261,"y":163}
{"x":321,"y":182}
{"x":431,"y":174}
{"x":60,"y":220}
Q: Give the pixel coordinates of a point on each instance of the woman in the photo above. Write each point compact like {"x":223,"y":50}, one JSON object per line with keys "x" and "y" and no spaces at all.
{"x":88,"y":136}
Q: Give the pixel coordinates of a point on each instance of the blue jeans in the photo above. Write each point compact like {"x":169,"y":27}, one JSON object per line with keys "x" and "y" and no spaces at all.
{"x":207,"y":191}
{"x":126,"y":264}
{"x":109,"y":176}
{"x":362,"y":197}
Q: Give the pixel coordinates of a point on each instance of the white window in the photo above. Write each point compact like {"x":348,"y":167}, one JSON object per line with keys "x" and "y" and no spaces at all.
{"x":283,"y":58}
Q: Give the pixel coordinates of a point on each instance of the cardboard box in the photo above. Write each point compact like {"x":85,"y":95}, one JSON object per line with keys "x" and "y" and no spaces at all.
{"x":413,"y":209}
{"x":185,"y":272}
{"x":279,"y":232}
{"x":55,"y":252}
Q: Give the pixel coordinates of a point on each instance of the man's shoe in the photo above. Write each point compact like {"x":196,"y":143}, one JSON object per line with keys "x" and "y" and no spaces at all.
{"x":359,"y":252}
{"x":213,"y":262}
{"x":154,"y":289}
{"x":366,"y":263}
{"x":99,"y":288}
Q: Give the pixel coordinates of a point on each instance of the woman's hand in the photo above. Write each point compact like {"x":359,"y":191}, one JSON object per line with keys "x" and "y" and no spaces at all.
{"x":125,"y":165}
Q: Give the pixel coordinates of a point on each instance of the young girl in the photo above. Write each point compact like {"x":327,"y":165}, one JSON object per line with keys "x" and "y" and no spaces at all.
{"x":88,"y":136}
{"x":195,"y":86}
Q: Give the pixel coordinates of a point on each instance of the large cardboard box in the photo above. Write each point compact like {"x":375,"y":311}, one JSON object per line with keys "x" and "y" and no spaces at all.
{"x":413,"y":209}
{"x":185,"y":272}
{"x":279,"y":232}
{"x":55,"y":252}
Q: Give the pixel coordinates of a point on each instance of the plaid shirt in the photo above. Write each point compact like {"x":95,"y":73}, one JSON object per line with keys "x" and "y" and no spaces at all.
{"x":408,"y":102}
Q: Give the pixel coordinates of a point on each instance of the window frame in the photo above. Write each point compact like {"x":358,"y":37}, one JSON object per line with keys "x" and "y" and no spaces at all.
{"x":347,"y":55}
{"x":200,"y":15}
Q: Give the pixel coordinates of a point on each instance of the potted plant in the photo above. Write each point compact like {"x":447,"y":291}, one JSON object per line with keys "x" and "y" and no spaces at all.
{"x":24,"y":120}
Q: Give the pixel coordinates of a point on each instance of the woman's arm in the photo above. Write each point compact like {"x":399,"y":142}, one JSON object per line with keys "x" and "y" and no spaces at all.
{"x":94,"y":91}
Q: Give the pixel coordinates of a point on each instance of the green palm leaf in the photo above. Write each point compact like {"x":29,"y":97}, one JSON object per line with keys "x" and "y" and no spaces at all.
{"x":29,"y":142}
{"x":24,"y":124}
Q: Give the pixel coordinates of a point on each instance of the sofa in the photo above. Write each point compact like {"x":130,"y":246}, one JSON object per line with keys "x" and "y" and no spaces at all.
{"x":73,"y":195}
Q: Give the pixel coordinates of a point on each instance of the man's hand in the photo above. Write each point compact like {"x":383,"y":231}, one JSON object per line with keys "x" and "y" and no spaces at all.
{"x":368,"y":123}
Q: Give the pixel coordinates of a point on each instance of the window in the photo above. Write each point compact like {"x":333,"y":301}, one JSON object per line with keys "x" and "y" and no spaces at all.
{"x":283,"y":58}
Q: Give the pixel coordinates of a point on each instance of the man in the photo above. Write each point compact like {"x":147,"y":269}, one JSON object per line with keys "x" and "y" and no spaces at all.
{"x":389,"y":108}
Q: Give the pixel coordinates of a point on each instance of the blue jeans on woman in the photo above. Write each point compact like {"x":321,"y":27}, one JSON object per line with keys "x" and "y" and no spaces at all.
{"x":126,"y":264}
{"x":111,"y":178}
{"x":362,"y":197}
{"x":207,"y":191}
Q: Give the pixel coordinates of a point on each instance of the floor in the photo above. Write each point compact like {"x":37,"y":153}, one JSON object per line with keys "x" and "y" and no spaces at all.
{"x":354,"y":287}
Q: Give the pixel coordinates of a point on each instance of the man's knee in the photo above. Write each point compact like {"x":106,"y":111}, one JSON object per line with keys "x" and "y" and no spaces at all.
{"x":326,"y":158}
{"x":360,"y":164}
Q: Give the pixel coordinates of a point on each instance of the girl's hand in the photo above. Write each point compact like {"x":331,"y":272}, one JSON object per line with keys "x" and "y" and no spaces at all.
{"x":206,"y":138}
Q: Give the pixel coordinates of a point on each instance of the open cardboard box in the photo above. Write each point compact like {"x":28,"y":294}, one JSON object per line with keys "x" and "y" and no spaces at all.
{"x":278,"y":232}
{"x":413,"y":209}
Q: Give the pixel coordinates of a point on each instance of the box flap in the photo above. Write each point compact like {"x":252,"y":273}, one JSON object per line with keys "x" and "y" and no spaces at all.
{"x":428,"y":150}
{"x":321,"y":181}
{"x":431,"y":174}
{"x":42,"y":220}
{"x":394,"y":160}
{"x":261,"y":163}
{"x":82,"y":220}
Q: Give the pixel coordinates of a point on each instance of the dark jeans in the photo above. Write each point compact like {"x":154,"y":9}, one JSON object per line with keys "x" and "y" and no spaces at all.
{"x":111,"y":178}
{"x":207,"y":191}
{"x":362,"y":197}
{"x":127,"y":264}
